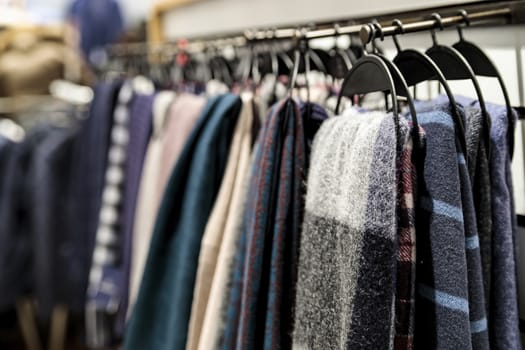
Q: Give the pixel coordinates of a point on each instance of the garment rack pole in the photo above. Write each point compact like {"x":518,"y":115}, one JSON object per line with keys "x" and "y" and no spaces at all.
{"x":366,"y":32}
{"x":510,"y":12}
{"x":513,"y":12}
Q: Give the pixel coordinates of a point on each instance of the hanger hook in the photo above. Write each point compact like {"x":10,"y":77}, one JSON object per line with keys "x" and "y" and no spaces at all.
{"x":437,"y":21}
{"x":464,"y":14}
{"x":368,"y":35}
{"x":466,"y":20}
{"x":301,"y":50}
{"x":401,"y":28}
{"x":337,"y":29}
{"x":378,"y":30}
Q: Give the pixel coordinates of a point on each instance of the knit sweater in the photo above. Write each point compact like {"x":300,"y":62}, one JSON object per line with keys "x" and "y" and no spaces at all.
{"x":162,"y":311}
{"x":346,"y":277}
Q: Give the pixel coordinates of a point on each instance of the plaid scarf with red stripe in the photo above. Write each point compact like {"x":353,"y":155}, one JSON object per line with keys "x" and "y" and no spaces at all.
{"x":406,"y":254}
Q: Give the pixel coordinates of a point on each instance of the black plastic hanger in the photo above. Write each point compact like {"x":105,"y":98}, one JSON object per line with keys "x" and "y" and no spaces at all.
{"x":272,"y":60}
{"x":482,"y":65}
{"x":220,"y":69}
{"x":340,"y":60}
{"x":281,"y":64}
{"x":368,"y":74}
{"x":417,"y":67}
{"x":399,"y":81}
{"x":302,"y":59}
{"x":267,"y":61}
{"x":285,"y":63}
{"x":355,"y":49}
{"x":455,"y":67}
{"x":374,"y":73}
{"x":247,"y":71}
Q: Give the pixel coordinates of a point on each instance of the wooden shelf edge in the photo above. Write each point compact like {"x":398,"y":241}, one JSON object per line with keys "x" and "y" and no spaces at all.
{"x":155,"y":32}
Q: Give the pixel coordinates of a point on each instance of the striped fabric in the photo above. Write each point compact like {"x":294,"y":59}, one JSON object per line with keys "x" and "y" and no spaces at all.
{"x":474,"y":120}
{"x":479,"y":173}
{"x":503,"y":309}
{"x":406,"y":245}
{"x":442,"y":295}
{"x":272,"y":233}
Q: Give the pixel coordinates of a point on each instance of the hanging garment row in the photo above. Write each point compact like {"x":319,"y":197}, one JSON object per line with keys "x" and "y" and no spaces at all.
{"x":273,"y":207}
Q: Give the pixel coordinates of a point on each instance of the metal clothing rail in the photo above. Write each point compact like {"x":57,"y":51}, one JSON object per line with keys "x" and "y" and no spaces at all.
{"x":479,"y":14}
{"x":486,"y":13}
{"x":366,"y":32}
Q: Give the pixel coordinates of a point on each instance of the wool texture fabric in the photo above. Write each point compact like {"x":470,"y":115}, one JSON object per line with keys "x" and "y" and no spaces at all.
{"x":140,"y":125}
{"x":273,"y":229}
{"x":504,"y":322}
{"x":346,"y":279}
{"x":474,"y":121}
{"x":406,"y":240}
{"x":163,"y":307}
{"x":442,"y":304}
{"x":147,"y":204}
{"x":503,"y":309}
{"x":477,"y":305}
{"x":479,"y":171}
{"x":223,"y":210}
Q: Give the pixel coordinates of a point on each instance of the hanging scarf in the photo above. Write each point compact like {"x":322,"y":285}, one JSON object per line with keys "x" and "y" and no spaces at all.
{"x":346,"y":278}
